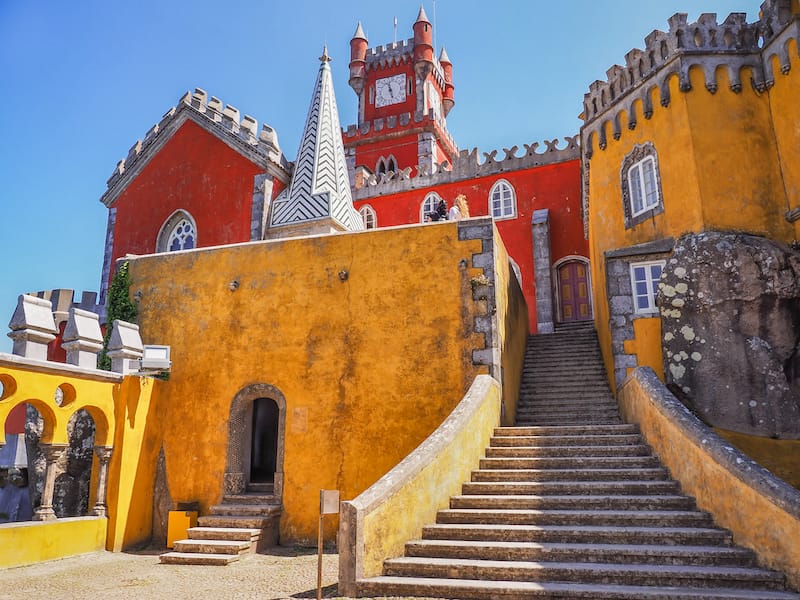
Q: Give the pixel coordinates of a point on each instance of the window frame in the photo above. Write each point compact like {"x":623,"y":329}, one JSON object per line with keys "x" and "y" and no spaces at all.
{"x":512,"y":197}
{"x":633,"y":178}
{"x":650,"y":283}
{"x":367,"y":212}
{"x":434,"y":198}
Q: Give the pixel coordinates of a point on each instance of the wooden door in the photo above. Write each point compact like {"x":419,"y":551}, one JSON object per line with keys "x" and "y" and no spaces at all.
{"x":573,"y":285}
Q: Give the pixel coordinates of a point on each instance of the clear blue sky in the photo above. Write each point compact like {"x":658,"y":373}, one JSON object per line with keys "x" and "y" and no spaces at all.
{"x":81,"y":81}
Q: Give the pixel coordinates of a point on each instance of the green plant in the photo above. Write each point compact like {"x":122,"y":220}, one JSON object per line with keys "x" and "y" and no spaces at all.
{"x":120,"y":307}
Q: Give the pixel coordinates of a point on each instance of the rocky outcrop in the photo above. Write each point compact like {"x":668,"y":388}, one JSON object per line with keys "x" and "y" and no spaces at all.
{"x":730,"y":311}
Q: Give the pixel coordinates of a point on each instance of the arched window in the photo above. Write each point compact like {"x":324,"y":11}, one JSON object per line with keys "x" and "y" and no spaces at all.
{"x":369,"y":216}
{"x":177,"y":233}
{"x":385,"y":165}
{"x":502,"y":200}
{"x":429,"y":206}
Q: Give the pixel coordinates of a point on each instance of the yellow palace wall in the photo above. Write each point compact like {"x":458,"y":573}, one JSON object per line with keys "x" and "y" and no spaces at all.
{"x":720,"y":170}
{"x":368,"y":336}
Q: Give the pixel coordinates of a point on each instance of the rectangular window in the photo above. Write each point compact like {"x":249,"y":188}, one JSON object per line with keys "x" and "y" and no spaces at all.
{"x":644,"y":282}
{"x":371,"y":95}
{"x":642,"y":182}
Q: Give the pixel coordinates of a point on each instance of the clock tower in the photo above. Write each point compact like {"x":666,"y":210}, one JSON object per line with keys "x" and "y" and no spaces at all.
{"x":404,"y":95}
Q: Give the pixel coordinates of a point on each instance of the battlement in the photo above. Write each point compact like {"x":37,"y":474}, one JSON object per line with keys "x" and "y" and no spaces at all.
{"x":240,"y":132}
{"x":733,"y":45}
{"x":398,"y":53}
{"x":395,"y":123}
{"x":467,"y":165}
{"x":394,"y":53}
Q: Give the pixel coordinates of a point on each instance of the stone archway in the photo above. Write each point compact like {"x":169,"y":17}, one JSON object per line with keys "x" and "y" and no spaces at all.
{"x":237,"y":469}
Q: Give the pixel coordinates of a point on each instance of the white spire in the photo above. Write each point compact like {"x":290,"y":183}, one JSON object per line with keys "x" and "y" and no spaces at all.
{"x":318,"y":199}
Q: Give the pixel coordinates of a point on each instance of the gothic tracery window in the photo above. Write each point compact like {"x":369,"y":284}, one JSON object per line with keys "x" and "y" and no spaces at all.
{"x":179,"y":232}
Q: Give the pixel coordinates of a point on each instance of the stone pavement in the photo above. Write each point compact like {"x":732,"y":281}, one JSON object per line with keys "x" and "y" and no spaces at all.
{"x":285,"y":572}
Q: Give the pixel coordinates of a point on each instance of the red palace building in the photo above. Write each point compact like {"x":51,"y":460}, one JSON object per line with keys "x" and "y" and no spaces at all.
{"x":206,"y":175}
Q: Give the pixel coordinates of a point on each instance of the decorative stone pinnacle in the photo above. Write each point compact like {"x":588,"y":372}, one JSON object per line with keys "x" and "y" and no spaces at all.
{"x":422,"y":16}
{"x":325,"y":58}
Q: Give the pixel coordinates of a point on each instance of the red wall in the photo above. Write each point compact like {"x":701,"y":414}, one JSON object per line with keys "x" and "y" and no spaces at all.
{"x":196,"y":172}
{"x":409,"y":106}
{"x":555,"y":187}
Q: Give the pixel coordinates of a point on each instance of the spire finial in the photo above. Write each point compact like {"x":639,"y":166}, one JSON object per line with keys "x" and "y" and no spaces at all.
{"x":325,"y":58}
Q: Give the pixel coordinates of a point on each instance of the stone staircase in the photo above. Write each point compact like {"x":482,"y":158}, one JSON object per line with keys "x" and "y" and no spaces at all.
{"x":574,"y":507}
{"x":241,"y":525}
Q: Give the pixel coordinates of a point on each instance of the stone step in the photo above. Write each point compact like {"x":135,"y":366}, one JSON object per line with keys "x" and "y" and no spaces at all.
{"x":567,"y":395}
{"x":624,"y":428}
{"x":214,"y":546}
{"x":571,"y":488}
{"x":583,"y":534}
{"x":593,"y":462}
{"x":584,"y":502}
{"x":565,"y":440}
{"x":224,"y":533}
{"x":238,"y":522}
{"x":466,"y":589}
{"x":605,"y":518}
{"x":563,"y":451}
{"x":588,"y":553}
{"x":191,"y":558}
{"x":267,"y":487}
{"x":574,"y":416}
{"x":251,"y":498}
{"x":562,"y":420}
{"x":620,"y":574}
{"x":574,"y":476}
{"x":571,"y":402}
{"x":246,"y":510}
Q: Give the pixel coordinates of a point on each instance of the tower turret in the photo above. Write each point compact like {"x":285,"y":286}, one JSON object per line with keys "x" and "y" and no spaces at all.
{"x":423,"y":44}
{"x":448,"y":97}
{"x":358,"y":60}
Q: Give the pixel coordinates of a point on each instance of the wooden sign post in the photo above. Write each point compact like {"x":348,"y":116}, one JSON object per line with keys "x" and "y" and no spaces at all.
{"x":328,"y":505}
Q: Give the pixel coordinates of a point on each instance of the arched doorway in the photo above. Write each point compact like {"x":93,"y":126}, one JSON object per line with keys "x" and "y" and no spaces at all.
{"x":574,"y":299}
{"x":255,"y":439}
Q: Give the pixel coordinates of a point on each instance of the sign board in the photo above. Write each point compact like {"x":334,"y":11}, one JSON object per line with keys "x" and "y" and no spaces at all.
{"x":329,"y":502}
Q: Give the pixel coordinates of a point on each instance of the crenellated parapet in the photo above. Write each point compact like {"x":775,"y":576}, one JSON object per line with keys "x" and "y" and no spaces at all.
{"x":401,"y":123}
{"x":733,"y":45}
{"x":468,"y":165}
{"x":398,"y":53}
{"x":240,"y":132}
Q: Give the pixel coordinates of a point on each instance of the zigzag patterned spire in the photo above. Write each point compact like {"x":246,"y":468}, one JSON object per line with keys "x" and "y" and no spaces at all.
{"x":318,"y":196}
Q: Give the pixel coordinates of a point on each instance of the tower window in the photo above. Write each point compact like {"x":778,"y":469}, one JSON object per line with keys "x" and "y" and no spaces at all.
{"x":369,"y":216}
{"x":641,"y":185}
{"x":502,"y":200}
{"x":372,"y":94}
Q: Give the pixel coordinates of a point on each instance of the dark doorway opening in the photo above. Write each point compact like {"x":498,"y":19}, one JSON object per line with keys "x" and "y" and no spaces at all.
{"x":264,"y":444}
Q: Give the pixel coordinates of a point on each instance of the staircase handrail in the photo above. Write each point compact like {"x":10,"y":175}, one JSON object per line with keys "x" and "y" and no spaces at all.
{"x":377,"y":524}
{"x":761,"y":510}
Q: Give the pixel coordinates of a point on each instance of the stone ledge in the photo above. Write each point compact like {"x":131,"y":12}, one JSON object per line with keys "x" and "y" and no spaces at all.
{"x":54,"y":368}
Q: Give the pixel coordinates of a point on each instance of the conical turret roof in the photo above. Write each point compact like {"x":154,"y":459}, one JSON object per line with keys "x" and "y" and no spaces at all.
{"x":318,"y":199}
{"x":422,"y":16}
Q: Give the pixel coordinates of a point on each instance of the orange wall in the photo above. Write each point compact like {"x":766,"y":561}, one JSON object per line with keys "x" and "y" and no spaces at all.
{"x":555,"y":187}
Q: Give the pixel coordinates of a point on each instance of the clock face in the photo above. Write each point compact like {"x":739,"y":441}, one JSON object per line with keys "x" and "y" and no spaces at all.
{"x":390,"y":90}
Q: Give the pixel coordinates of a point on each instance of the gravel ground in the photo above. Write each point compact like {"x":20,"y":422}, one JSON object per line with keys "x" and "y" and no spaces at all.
{"x":283,"y":573}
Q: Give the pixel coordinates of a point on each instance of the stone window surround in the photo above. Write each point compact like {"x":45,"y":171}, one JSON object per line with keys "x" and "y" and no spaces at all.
{"x":165,"y":232}
{"x":502,"y":214}
{"x":620,"y":297}
{"x":638,"y":154}
{"x":384,"y":165}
